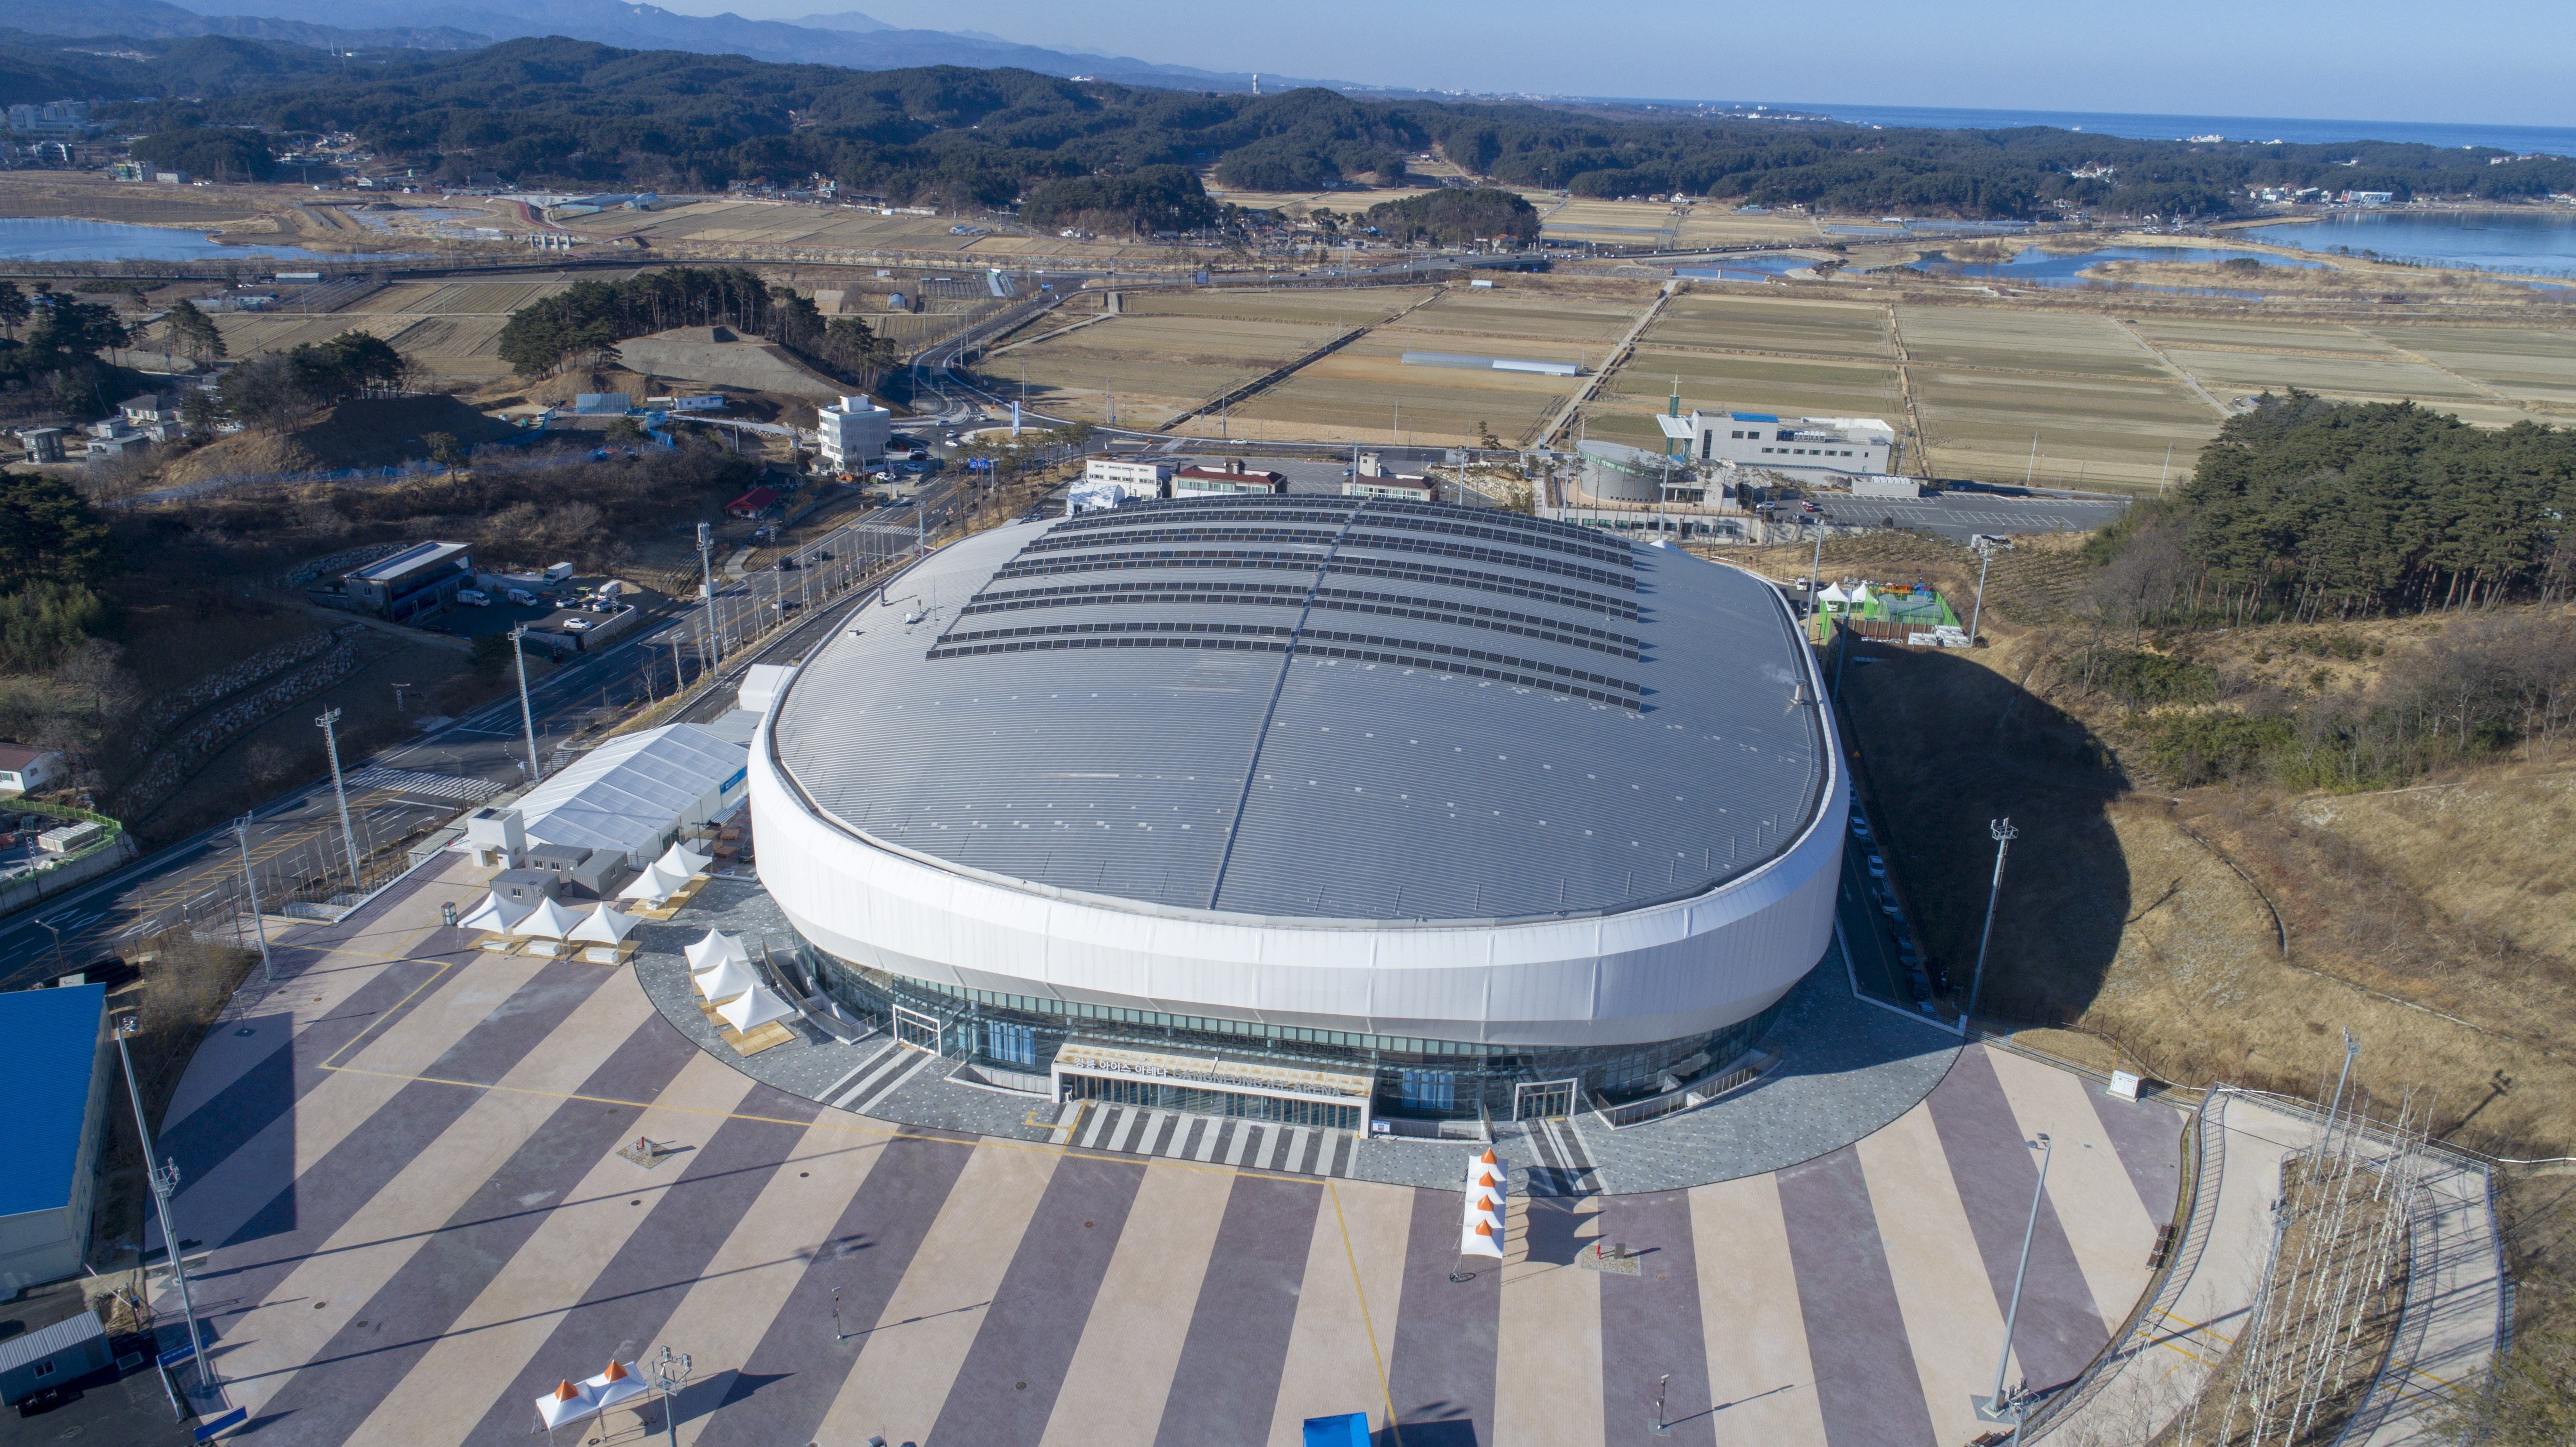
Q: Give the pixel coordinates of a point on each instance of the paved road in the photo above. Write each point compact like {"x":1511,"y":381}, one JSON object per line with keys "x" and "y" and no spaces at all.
{"x":297,"y":834}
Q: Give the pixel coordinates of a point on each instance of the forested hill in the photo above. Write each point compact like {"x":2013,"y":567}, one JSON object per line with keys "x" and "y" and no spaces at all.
{"x":571,"y":113}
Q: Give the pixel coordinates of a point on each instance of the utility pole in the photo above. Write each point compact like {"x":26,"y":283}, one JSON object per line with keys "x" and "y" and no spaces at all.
{"x":267,"y":967}
{"x":707,"y":570}
{"x":2032,"y":470}
{"x":2168,"y":468}
{"x":527,"y":716}
{"x":1994,"y":1407}
{"x":348,"y":836}
{"x":1814,"y":583}
{"x":2004,"y":833}
{"x":1985,"y":557}
{"x":164,"y":1180}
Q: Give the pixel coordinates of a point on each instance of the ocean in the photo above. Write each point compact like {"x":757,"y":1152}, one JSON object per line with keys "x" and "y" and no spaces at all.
{"x":2521,"y":140}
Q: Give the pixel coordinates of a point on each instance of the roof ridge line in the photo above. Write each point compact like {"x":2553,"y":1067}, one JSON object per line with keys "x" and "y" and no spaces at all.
{"x":1279,"y":685}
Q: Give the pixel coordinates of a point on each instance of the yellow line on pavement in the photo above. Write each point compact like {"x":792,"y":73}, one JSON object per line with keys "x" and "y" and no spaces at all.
{"x":1351,"y":1254}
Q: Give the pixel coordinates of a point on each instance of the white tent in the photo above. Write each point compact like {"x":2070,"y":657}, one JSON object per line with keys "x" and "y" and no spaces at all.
{"x":1833,"y":596}
{"x":630,"y":793}
{"x":683,"y":861}
{"x":617,"y":1384}
{"x":496,"y":915}
{"x":604,"y":926}
{"x":550,"y":921}
{"x":728,"y":979}
{"x":706,"y":953}
{"x":755,"y":1007}
{"x":1481,"y":1233}
{"x":565,"y":1403}
{"x":652,"y":885}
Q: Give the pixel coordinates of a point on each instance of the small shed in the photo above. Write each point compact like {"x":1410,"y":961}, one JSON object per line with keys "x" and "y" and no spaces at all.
{"x":524,"y":886}
{"x":64,"y":1352}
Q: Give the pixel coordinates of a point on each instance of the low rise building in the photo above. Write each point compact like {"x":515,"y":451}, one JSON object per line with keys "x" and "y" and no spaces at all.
{"x":55,"y":1077}
{"x":1235,"y":476}
{"x":52,"y":120}
{"x":1792,"y":444}
{"x":1108,"y":481}
{"x":42,"y":444}
{"x":852,"y":434}
{"x":752,"y":504}
{"x":25,"y":768}
{"x":635,"y":794}
{"x":421,"y":577}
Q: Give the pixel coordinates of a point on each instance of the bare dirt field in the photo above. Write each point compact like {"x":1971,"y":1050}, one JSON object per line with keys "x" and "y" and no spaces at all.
{"x":1153,"y":366}
{"x":827,"y":228}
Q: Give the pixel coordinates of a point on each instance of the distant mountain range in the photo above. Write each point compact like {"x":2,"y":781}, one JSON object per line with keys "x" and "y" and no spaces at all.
{"x":847,"y":38}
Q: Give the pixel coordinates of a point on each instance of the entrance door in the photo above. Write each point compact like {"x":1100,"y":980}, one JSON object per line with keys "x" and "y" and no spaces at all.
{"x":913,"y":1028}
{"x":1544,"y":1099}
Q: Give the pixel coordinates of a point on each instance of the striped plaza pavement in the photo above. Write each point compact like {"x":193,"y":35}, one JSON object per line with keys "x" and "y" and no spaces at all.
{"x":407,"y":1173}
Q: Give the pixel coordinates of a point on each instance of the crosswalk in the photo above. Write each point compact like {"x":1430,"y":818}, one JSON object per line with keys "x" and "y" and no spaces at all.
{"x":1258,"y":1145}
{"x":888,"y":1068}
{"x":1560,"y":1163}
{"x":427,"y":786}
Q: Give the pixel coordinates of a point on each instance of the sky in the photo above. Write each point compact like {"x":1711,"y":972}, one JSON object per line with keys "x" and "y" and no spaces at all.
{"x":2502,"y":62}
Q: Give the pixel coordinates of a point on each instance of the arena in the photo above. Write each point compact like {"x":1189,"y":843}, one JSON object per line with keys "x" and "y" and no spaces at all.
{"x":1335,"y":811}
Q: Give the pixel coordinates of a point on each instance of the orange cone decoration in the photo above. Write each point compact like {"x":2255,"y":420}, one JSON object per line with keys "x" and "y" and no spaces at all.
{"x":567,"y":1392}
{"x":1487,"y":1158}
{"x":1484,"y":1230}
{"x":615,"y":1373}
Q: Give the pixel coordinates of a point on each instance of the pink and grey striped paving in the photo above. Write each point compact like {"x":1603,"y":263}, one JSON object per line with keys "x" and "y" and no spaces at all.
{"x":405,"y":1169}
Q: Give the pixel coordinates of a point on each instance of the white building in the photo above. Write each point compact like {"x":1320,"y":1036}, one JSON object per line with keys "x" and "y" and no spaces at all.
{"x":24,"y":770}
{"x":55,"y":119}
{"x":853,"y":433}
{"x":635,"y":794}
{"x":1788,"y":444}
{"x":1109,"y":481}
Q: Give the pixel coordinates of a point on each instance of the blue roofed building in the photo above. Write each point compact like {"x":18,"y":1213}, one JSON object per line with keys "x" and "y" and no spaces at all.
{"x":55,"y":1078}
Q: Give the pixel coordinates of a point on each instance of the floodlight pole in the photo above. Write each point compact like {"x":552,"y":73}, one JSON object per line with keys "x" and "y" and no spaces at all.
{"x":1985,"y":559}
{"x":267,"y":967}
{"x":1993,"y":1407}
{"x":527,"y":716}
{"x":671,"y":1372}
{"x":2004,"y":833}
{"x":2032,"y":470}
{"x":163,"y":1178}
{"x":707,"y":569}
{"x":348,"y":836}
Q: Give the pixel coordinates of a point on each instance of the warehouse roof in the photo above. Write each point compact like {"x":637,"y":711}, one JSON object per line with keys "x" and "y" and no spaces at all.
{"x":53,"y":1040}
{"x":626,"y":793}
{"x":1317,"y":707}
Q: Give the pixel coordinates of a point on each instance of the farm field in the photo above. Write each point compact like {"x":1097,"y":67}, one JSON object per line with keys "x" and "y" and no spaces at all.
{"x":451,"y":329}
{"x":1708,"y":226}
{"x":1355,"y":307}
{"x":1486,"y":318}
{"x":1364,"y":393}
{"x":1153,"y":367}
{"x":1612,"y":223}
{"x":2492,"y":376}
{"x":2534,"y":367}
{"x":2104,"y":407}
{"x":774,"y":223}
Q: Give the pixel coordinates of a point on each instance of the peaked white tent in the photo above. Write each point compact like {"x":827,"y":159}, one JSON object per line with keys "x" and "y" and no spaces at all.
{"x":683,"y":861}
{"x":550,"y":920}
{"x":495,"y":915}
{"x":754,"y":1008}
{"x":728,"y":979}
{"x":652,"y":885}
{"x":1833,"y":596}
{"x":715,"y":948}
{"x":604,"y":926}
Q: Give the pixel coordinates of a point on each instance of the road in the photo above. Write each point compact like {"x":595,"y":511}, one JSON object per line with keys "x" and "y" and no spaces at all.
{"x":297,"y":835}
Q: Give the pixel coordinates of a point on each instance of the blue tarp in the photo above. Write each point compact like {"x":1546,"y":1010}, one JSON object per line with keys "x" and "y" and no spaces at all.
{"x":53,"y":1040}
{"x":1346,"y":1431}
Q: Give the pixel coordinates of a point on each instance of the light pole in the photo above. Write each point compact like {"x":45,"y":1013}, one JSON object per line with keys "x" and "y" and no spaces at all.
{"x":2027,"y":473}
{"x":527,"y":716}
{"x":267,"y":967}
{"x":2004,"y":833}
{"x":1994,"y":1406}
{"x":340,"y":790}
{"x":707,"y":570}
{"x":164,"y":1179}
{"x":1659,"y":1426}
{"x":399,"y":690}
{"x":1985,"y":558}
{"x":671,"y":1372}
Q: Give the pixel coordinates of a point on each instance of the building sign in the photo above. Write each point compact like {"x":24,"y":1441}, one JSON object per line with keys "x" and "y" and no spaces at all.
{"x":1080,"y":1057}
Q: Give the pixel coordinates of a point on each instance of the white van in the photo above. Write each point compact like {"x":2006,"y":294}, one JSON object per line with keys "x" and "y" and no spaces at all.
{"x":522,"y":597}
{"x":475,"y":596}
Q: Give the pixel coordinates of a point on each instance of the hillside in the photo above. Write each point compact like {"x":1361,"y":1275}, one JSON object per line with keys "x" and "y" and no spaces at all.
{"x":569,"y":112}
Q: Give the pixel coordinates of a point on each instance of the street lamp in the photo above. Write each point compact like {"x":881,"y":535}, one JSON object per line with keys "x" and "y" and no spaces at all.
{"x":164,"y":1180}
{"x":670,"y":1372}
{"x":527,"y":717}
{"x":1995,"y":1406}
{"x":2005,"y":834}
{"x":340,"y":790}
{"x":267,"y":967}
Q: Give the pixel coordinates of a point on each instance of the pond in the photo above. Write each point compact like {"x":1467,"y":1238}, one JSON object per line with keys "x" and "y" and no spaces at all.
{"x":55,"y":238}
{"x":2539,"y":243}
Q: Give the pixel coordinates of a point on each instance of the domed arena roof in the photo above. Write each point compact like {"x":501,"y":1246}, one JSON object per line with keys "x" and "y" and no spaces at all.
{"x":1316,"y":708}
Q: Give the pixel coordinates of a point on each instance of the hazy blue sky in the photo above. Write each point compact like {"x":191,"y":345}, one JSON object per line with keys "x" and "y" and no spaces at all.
{"x":2508,"y":61}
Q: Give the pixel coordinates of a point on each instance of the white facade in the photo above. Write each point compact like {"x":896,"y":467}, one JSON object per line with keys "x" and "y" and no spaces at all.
{"x":1651,"y":974}
{"x":853,"y":433}
{"x":1108,"y":481}
{"x":24,"y":770}
{"x":1794,"y":444}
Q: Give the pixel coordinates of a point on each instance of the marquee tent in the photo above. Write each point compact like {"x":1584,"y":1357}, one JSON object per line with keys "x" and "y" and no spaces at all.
{"x":604,"y":926}
{"x":726,"y":980}
{"x":683,"y":861}
{"x":550,"y":920}
{"x":495,"y":915}
{"x":705,"y":953}
{"x":1481,"y":1234}
{"x":754,"y":1008}
{"x":632,"y":793}
{"x":653,"y":885}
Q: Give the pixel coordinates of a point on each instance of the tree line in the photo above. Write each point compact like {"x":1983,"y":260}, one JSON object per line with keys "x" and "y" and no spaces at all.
{"x":590,"y":318}
{"x":572,"y":113}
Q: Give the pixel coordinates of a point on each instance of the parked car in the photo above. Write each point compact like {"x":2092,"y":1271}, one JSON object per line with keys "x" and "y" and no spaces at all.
{"x":1860,"y":828}
{"x":1877,"y":867}
{"x":474,"y":597}
{"x":577,"y":625}
{"x":522,"y":597}
{"x":784,"y":565}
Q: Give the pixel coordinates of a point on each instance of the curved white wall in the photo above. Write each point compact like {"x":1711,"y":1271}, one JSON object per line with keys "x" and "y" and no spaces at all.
{"x":1651,"y":974}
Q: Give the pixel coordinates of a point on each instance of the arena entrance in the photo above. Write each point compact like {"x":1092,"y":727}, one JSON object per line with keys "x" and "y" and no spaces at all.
{"x":1545,"y":1099}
